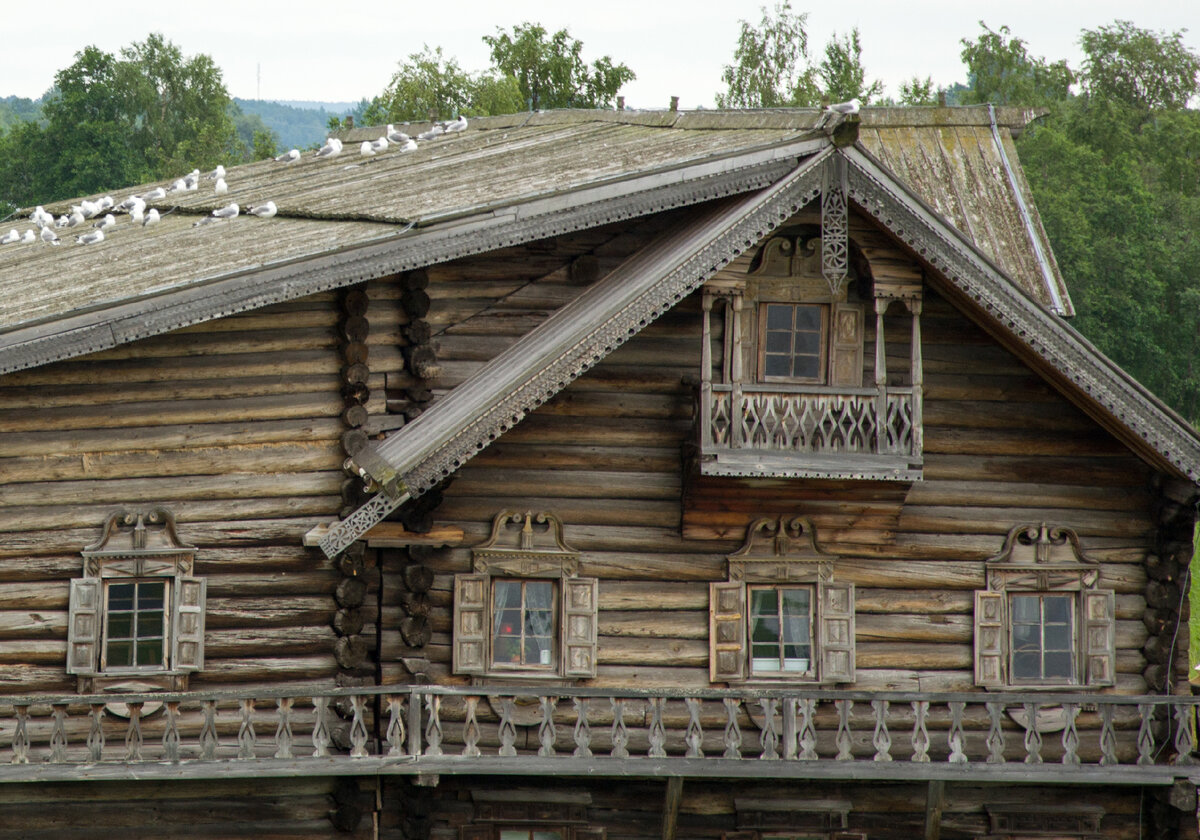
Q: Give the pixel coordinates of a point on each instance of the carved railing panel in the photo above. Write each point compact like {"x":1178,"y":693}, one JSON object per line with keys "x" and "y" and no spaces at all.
{"x":415,"y":729}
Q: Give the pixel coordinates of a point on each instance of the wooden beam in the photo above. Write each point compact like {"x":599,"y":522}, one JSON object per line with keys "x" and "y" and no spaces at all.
{"x":935,"y":801}
{"x":394,"y":535}
{"x":671,"y":807}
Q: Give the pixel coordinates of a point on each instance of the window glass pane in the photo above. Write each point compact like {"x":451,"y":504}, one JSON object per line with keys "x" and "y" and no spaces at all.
{"x":507,"y":594}
{"x":779,"y":316}
{"x":767,"y":662}
{"x":538,"y":595}
{"x":547,"y":835}
{"x":1026,"y":665}
{"x":120,"y":596}
{"x":514,"y":834}
{"x":764,"y":602}
{"x":1026,"y":637}
{"x":1058,"y":637}
{"x":808,"y":344}
{"x":779,"y":342}
{"x":150,"y":595}
{"x":808,"y":318}
{"x":777,"y":365}
{"x":765,"y":629}
{"x":1058,"y":608}
{"x":806,"y":367}
{"x":1058,"y":666}
{"x":150,"y":652}
{"x":507,"y":650}
{"x":1025,"y":609}
{"x":120,"y":655}
{"x":150,"y":624}
{"x":120,"y":625}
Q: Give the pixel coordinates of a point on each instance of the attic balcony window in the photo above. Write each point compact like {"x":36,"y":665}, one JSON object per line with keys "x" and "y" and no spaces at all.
{"x":784,"y":390}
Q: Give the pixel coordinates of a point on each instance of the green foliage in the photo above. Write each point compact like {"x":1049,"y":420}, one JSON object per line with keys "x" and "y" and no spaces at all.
{"x":841,"y":72}
{"x":252,"y":131}
{"x":262,"y":145}
{"x":432,"y":85}
{"x":293,"y":127}
{"x":16,"y":109}
{"x":1137,"y":67}
{"x":550,"y":71}
{"x":918,"y":91}
{"x":770,"y":63}
{"x":1002,"y":72}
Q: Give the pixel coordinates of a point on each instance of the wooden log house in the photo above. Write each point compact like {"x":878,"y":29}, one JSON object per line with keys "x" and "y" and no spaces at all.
{"x":696,"y":475}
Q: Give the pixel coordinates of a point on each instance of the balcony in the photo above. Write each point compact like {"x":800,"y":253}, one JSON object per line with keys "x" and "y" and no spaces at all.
{"x":787,"y":431}
{"x":770,"y":734}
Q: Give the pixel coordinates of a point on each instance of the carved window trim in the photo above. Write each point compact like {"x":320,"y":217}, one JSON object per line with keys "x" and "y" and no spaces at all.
{"x":525,"y":546}
{"x":783,"y":553}
{"x":137,"y":547}
{"x":1045,"y":560}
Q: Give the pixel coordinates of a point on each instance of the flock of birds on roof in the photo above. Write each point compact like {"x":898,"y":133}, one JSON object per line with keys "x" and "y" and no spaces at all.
{"x":135,"y":206}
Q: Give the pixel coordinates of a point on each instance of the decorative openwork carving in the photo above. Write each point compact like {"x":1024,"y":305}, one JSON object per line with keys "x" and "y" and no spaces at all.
{"x":780,"y":550}
{"x":537,"y":548}
{"x":128,"y":548}
{"x":1042,"y":557}
{"x":834,"y":225}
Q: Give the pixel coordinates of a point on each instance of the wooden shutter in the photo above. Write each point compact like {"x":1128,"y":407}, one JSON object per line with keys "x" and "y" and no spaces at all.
{"x":83,"y":627}
{"x":1099,"y":648}
{"x":579,"y":627}
{"x":837,"y":632}
{"x":470,"y":624}
{"x":726,"y":631}
{"x":990,"y":632}
{"x":846,"y":346}
{"x":187,"y":637}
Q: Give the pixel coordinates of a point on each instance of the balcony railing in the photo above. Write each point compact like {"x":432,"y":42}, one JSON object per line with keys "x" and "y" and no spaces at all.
{"x":1057,"y":738}
{"x":788,"y":430}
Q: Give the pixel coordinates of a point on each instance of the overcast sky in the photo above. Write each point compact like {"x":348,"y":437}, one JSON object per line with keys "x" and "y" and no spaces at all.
{"x":328,"y":51}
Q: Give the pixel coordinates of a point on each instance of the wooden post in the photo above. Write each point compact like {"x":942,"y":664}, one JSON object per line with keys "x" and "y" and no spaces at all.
{"x":881,"y":306}
{"x":706,"y":371}
{"x":671,"y":807}
{"x":735,"y":373}
{"x":935,"y":801}
{"x":918,"y":380}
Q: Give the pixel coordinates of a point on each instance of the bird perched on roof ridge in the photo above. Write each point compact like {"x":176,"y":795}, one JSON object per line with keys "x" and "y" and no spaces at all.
{"x":845,"y":108}
{"x":155,"y":194}
{"x":221,"y":187}
{"x":50,"y":237}
{"x":409,"y":145}
{"x":395,"y":136}
{"x":229,"y":211}
{"x":435,"y":130}
{"x":366,"y":148}
{"x":379,"y":145}
{"x":11,"y":236}
{"x":332,"y":148}
{"x":217,"y":174}
{"x":288,"y":157}
{"x":457,"y":125}
{"x":90,"y":238}
{"x":264,"y":211}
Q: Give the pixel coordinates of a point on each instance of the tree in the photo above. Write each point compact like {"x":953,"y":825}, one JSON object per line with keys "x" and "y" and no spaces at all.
{"x":430,"y":83}
{"x":550,"y":71}
{"x":770,"y":63}
{"x":1138,"y":67}
{"x":1002,"y":72}
{"x":918,"y":91}
{"x":841,"y":72}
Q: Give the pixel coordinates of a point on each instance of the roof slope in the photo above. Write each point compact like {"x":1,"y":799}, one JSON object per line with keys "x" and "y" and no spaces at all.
{"x":517,"y":176}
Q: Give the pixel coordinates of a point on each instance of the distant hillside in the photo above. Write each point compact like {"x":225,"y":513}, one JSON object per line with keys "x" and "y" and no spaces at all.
{"x":299,"y":124}
{"x":15,"y":109}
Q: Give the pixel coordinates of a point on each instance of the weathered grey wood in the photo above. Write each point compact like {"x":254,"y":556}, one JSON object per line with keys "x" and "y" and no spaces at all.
{"x":671,"y":800}
{"x":935,"y":802}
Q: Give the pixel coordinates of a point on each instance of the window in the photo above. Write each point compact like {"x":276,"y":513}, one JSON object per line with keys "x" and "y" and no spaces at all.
{"x":138,"y":612}
{"x":780,"y":615}
{"x":792,"y":342}
{"x":1043,"y":620}
{"x":525,"y":611}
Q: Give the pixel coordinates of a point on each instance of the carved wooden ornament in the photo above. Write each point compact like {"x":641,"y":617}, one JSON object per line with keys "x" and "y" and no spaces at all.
{"x":780,"y":550}
{"x":527,"y":544}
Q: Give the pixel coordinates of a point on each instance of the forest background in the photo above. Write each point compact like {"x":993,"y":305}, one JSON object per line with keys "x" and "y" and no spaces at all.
{"x":1114,"y":164}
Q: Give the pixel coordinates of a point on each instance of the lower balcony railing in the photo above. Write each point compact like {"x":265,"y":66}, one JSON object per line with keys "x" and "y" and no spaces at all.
{"x":427,"y":730}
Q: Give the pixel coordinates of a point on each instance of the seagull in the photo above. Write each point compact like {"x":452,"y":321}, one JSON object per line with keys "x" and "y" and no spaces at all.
{"x":105,"y":223}
{"x":332,"y":147}
{"x":61,"y":221}
{"x":434,"y":131}
{"x":217,"y":174}
{"x":263,"y":211}
{"x":105,"y":203}
{"x":289,"y":157}
{"x":409,"y":145}
{"x":366,"y":148}
{"x":204,"y":220}
{"x":87,"y":208}
{"x":131,"y":202}
{"x":151,"y":218}
{"x":845,"y":108}
{"x":90,"y":238}
{"x":229,"y":211}
{"x":50,"y":237}
{"x":396,"y":136}
{"x":40,"y":217}
{"x":75,"y":219}
{"x":11,"y":236}
{"x":380,"y":145}
{"x":155,"y":194}
{"x":180,"y":185}
{"x":221,"y":188}
{"x":137,"y":215}
{"x":459,"y":124}
{"x":30,"y":237}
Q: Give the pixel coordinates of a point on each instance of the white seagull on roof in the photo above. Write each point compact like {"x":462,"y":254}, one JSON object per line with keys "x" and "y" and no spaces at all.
{"x":30,"y":237}
{"x":11,"y":236}
{"x":288,"y":157}
{"x":155,"y":194}
{"x":263,"y":211}
{"x":332,"y":148}
{"x":434,"y":131}
{"x":90,"y":238}
{"x":409,"y":145}
{"x":395,"y":136}
{"x":844,"y":108}
{"x":366,"y":148}
{"x":459,"y":124}
{"x":40,"y":217}
{"x":221,"y":187}
{"x":107,"y":222}
{"x":217,"y":174}
{"x":229,"y":211}
{"x":151,"y":218}
{"x":50,"y":236}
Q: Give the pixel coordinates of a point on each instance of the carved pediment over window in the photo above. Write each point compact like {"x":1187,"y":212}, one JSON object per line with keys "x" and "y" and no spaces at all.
{"x":1042,"y":556}
{"x":527,"y":544}
{"x":780,"y":550}
{"x":138,"y":543}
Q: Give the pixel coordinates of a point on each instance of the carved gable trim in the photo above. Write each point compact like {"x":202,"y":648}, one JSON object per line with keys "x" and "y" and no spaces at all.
{"x":137,"y":544}
{"x":1042,"y":557}
{"x":780,"y":550}
{"x":526,"y":544}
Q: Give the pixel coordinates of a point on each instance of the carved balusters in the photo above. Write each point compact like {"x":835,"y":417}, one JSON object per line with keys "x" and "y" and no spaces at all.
{"x":808,"y":729}
{"x":733,"y":732}
{"x":1070,"y":736}
{"x":433,"y":725}
{"x":1184,"y":740}
{"x":620,"y":734}
{"x":283,"y":729}
{"x":769,"y":735}
{"x":995,"y":738}
{"x":508,"y":729}
{"x":247,"y":738}
{"x":547,"y":733}
{"x":658,"y":734}
{"x":95,"y":739}
{"x":1033,"y":738}
{"x":789,"y":728}
{"x":58,"y":734}
{"x":583,"y":729}
{"x":358,"y":727}
{"x":882,"y":740}
{"x":958,"y":737}
{"x":843,"y":740}
{"x":133,"y":733}
{"x":170,"y":738}
{"x":1145,"y":739}
{"x":208,"y":731}
{"x":20,"y":742}
{"x":320,"y":735}
{"x":694,"y":737}
{"x":920,"y":735}
{"x":395,"y":728}
{"x":1108,"y":735}
{"x":471,"y":729}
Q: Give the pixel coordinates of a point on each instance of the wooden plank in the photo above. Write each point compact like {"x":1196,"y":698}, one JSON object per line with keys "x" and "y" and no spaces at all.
{"x":671,"y":800}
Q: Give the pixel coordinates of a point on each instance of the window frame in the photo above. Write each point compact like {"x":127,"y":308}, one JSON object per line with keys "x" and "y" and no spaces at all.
{"x":808,"y":673}
{"x":107,"y":611}
{"x":1072,"y":677}
{"x":493,"y":611}
{"x":823,"y":337}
